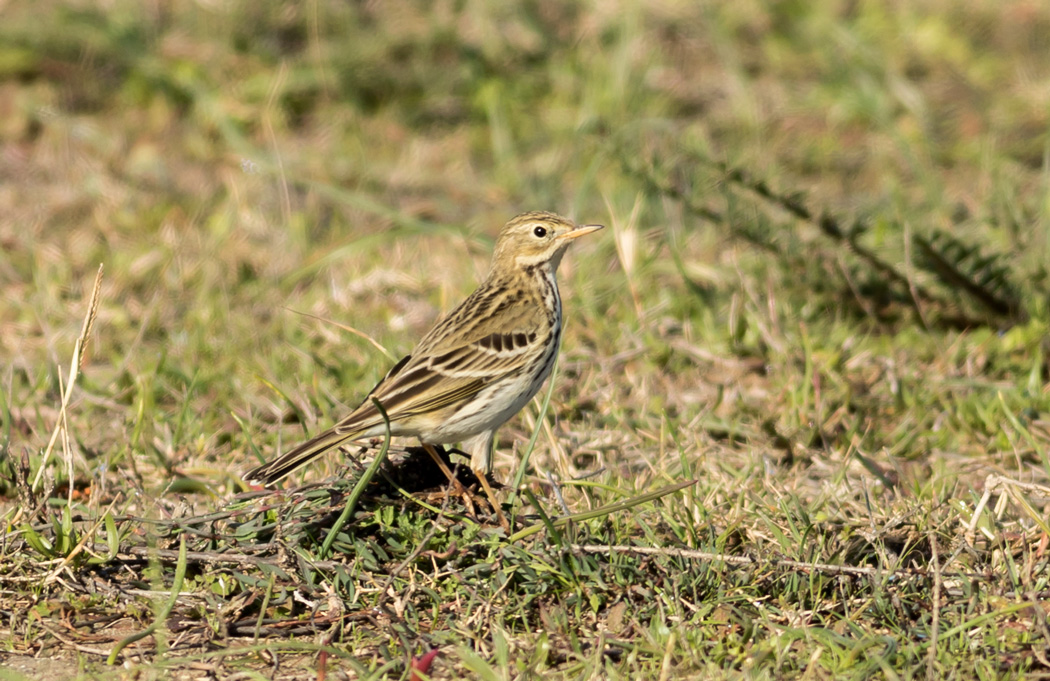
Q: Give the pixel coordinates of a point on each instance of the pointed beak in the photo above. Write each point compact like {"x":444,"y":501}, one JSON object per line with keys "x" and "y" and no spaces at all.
{"x":580,"y":231}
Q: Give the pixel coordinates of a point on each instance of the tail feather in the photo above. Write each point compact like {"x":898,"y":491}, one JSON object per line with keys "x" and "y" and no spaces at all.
{"x":272,"y":471}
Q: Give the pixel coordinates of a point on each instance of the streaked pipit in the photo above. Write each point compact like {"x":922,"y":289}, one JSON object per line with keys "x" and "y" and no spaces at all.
{"x":478,"y":366}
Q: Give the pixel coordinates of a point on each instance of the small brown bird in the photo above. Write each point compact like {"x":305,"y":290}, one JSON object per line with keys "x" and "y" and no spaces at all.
{"x":478,"y":366}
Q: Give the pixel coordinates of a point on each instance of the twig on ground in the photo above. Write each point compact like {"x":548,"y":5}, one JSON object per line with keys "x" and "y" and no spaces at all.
{"x":773,"y":562}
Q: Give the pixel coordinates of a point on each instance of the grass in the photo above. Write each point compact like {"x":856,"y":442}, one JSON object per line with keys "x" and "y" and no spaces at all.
{"x":822,"y":296}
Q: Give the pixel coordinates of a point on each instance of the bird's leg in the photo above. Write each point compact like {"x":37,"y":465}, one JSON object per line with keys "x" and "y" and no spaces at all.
{"x":443,"y":466}
{"x":483,"y":478}
{"x":480,"y":449}
{"x":452,"y":479}
{"x":454,"y":483}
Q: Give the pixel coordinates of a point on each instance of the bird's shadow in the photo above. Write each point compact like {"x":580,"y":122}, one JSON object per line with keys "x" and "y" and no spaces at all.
{"x":307,"y":512}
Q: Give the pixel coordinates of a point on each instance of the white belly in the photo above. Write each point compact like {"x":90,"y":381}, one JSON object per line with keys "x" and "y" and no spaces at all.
{"x":493,"y":407}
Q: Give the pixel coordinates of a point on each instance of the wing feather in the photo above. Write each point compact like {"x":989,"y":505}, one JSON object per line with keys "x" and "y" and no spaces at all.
{"x":456,"y":360}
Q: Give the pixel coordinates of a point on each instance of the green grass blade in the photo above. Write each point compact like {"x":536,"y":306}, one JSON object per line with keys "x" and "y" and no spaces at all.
{"x":359,"y":488}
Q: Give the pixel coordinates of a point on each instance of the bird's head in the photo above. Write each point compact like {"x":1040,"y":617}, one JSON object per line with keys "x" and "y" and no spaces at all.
{"x":536,"y":238}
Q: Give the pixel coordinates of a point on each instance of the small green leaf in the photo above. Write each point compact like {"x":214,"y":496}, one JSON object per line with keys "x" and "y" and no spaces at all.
{"x":39,"y":543}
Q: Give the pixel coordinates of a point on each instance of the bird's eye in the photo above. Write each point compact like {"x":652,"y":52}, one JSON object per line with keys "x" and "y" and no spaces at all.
{"x":540,"y":232}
